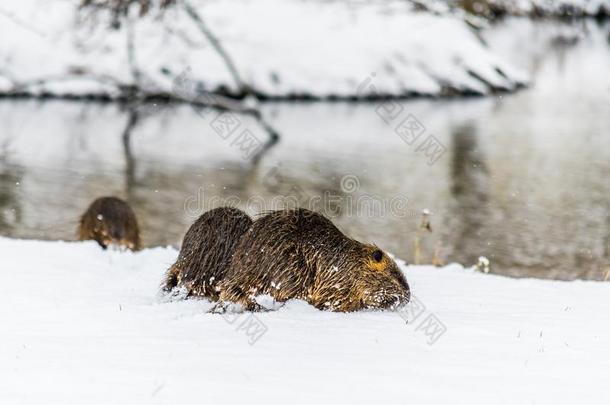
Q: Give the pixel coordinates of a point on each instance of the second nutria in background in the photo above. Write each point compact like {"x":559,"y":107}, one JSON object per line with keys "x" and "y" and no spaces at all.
{"x":110,"y":221}
{"x":206,"y":252}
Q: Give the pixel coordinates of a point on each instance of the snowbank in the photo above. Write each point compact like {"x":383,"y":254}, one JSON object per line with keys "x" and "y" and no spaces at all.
{"x":491,"y":9}
{"x":81,"y":325}
{"x":282,"y":49}
{"x":560,"y":8}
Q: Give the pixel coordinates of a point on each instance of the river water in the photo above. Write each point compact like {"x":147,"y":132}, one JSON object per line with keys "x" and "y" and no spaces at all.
{"x":522,"y":179}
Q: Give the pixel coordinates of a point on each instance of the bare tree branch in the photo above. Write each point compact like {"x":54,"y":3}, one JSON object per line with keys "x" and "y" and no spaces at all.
{"x":215,"y":42}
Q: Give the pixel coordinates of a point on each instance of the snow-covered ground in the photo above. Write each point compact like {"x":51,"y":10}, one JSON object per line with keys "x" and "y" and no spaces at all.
{"x":81,"y":325}
{"x":281,"y":48}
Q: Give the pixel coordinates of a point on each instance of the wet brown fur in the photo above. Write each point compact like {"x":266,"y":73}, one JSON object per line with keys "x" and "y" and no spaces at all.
{"x":206,"y":252}
{"x":285,"y":254}
{"x":108,"y":221}
{"x":301,"y":254}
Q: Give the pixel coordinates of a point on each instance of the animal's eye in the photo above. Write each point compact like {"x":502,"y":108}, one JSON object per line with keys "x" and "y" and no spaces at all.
{"x":377,"y":255}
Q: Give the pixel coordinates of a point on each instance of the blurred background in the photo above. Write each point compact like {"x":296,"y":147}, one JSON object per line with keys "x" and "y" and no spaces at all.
{"x":487,"y":119}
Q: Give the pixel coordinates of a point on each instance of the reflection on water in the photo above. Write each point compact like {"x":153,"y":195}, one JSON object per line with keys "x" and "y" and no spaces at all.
{"x":10,"y":211}
{"x":470,"y":187}
{"x":523,"y":181}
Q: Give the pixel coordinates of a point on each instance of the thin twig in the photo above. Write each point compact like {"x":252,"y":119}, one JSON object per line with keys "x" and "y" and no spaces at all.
{"x":21,"y":23}
{"x":131,"y":53}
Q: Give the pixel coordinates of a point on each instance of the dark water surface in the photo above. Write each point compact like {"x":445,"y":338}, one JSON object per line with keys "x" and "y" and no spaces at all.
{"x":524,"y":179}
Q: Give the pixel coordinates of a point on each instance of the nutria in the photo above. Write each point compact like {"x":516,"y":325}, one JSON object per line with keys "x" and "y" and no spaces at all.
{"x":110,"y":221}
{"x":301,"y":254}
{"x":206,"y":252}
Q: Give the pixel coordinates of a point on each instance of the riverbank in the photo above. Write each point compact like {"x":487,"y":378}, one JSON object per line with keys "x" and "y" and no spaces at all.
{"x":353,"y":51}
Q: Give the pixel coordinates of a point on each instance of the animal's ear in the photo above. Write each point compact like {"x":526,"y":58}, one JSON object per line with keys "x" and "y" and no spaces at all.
{"x":376,"y":258}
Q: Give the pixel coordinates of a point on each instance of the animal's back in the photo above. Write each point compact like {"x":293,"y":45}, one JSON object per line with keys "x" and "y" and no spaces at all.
{"x":278,"y":256}
{"x":300,"y":254}
{"x":206,"y":252}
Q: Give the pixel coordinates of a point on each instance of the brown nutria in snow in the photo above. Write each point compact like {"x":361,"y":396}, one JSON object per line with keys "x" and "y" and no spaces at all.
{"x":206,"y":252}
{"x":110,"y":221}
{"x":301,"y":254}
